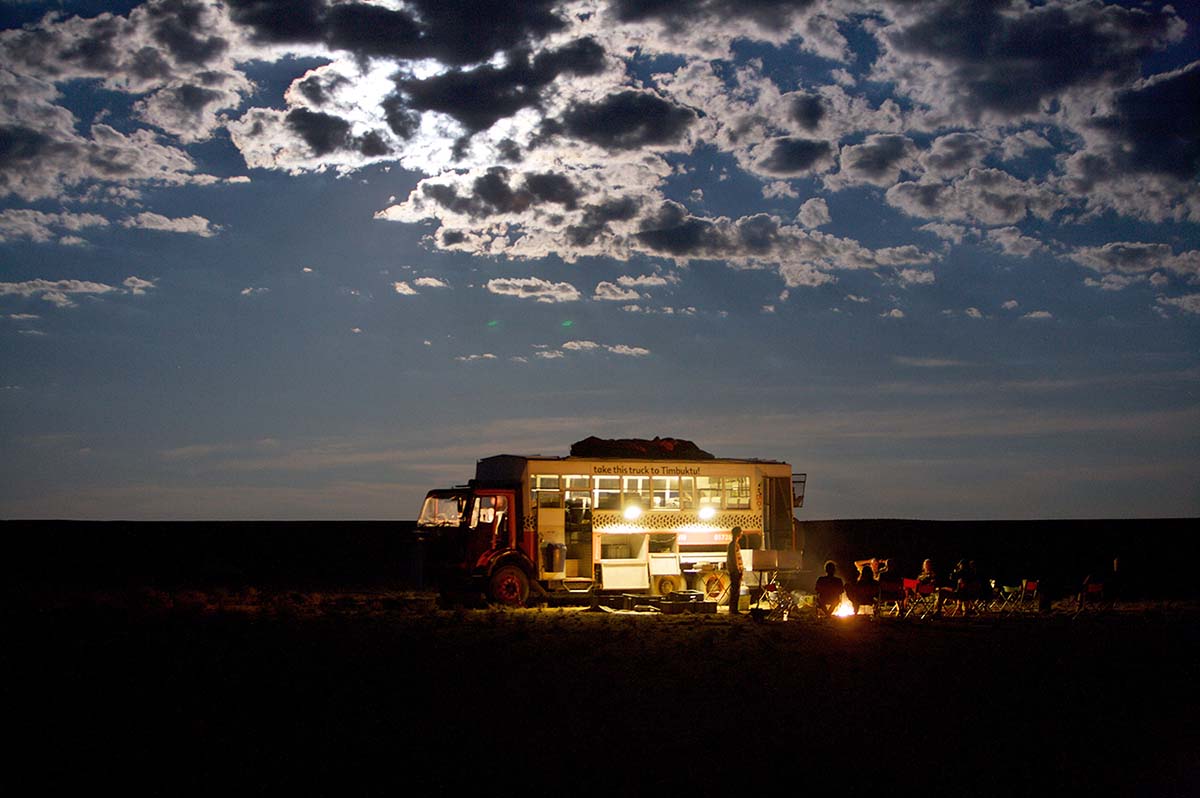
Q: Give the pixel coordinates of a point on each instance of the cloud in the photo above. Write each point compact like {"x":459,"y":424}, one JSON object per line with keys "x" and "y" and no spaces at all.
{"x":190,"y":225}
{"x":1007,"y":61}
{"x":534,"y":288}
{"x":878,"y":161}
{"x":1038,"y":315}
{"x":894,"y":313}
{"x":473,"y":358}
{"x":1189,"y":303}
{"x":37,"y":226}
{"x":1131,"y":259}
{"x":254,"y":291}
{"x":549,"y":130}
{"x":648,"y":280}
{"x":954,"y":154}
{"x":606,"y":291}
{"x":1148,"y":130}
{"x":955,"y":233}
{"x":814,"y":213}
{"x":779,"y":188}
{"x":1011,"y":304}
{"x":983,"y":195}
{"x":915,"y":277}
{"x":974,"y":313}
{"x":59,"y":292}
{"x":793,"y":156}
{"x":625,"y":121}
{"x":404,"y":289}
{"x":628,"y":351}
{"x":137,"y":286}
{"x":1012,"y":242}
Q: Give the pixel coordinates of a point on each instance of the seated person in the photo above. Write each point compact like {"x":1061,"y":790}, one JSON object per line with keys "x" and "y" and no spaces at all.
{"x":828,"y":590}
{"x":928,"y":575}
{"x":865,"y":590}
{"x":891,"y":584}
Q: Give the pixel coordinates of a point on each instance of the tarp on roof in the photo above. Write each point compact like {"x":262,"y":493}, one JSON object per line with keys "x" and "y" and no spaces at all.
{"x":639,"y":448}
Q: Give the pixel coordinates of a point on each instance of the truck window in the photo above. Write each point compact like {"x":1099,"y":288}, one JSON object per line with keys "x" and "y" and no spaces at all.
{"x":441,"y":511}
{"x":488,"y":510}
{"x":608,"y":493}
{"x":547,"y":491}
{"x":709,"y":489}
{"x":666,"y":493}
{"x":637,"y":491}
{"x":687,"y":493}
{"x":578,"y":489}
{"x":737,"y":493}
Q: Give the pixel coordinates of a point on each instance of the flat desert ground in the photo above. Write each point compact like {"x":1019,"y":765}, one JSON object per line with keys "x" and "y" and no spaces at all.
{"x":371,"y":693}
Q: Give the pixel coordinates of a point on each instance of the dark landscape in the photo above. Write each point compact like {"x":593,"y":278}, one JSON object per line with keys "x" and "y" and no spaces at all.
{"x":202,"y":665}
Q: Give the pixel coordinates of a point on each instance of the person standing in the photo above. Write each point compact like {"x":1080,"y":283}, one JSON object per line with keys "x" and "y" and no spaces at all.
{"x":733,"y":564}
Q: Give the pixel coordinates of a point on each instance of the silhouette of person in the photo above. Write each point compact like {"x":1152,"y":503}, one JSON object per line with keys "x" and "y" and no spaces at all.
{"x":829,"y":589}
{"x":733,"y":564}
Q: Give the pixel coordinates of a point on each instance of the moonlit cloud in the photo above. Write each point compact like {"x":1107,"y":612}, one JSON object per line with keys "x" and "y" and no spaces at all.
{"x":534,"y":288}
{"x":60,"y":292}
{"x":191,"y":225}
{"x":38,"y":226}
{"x":609,"y":292}
{"x":1189,"y":303}
{"x":814,"y":213}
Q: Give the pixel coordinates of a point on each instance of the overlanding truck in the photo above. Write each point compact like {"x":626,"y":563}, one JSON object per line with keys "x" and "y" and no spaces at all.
{"x":634,"y":516}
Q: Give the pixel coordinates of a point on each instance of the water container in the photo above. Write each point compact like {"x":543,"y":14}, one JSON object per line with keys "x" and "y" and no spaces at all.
{"x":554,"y":557}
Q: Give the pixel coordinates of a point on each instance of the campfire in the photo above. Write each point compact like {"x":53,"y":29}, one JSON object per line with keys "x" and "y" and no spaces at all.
{"x":845,"y":609}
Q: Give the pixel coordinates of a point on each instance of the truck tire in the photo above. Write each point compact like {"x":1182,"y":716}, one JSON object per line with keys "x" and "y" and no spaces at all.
{"x":509,"y":586}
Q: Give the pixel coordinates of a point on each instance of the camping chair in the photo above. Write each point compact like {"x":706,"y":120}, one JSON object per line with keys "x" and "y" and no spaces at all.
{"x":1027,"y":599}
{"x":891,"y":598}
{"x":781,"y":603}
{"x":1091,"y":598}
{"x":1004,"y":598}
{"x":921,"y":600}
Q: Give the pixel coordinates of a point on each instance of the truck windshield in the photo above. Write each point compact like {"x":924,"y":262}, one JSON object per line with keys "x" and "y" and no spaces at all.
{"x":442,"y":510}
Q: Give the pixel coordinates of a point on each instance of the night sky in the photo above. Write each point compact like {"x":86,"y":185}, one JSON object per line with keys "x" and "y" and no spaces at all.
{"x":266,"y":259}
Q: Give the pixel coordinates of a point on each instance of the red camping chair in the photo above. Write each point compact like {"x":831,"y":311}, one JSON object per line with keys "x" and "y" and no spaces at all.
{"x":921,"y":600}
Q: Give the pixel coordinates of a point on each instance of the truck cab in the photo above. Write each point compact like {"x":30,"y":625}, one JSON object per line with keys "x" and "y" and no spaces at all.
{"x":473,"y":539}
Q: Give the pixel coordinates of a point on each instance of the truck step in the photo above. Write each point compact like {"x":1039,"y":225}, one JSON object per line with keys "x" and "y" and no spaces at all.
{"x":578,"y":584}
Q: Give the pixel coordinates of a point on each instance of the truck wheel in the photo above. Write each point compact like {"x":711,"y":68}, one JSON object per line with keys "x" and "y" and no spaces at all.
{"x":509,"y":586}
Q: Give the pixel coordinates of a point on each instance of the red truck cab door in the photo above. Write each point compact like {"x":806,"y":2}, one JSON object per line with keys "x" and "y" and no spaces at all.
{"x":492,"y":527}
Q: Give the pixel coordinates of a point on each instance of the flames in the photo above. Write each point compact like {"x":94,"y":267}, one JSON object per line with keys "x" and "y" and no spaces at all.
{"x":845,"y":609}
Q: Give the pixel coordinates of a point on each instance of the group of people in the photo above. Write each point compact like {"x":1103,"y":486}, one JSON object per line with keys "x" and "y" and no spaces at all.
{"x":881,"y":582}
{"x":876,"y":581}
